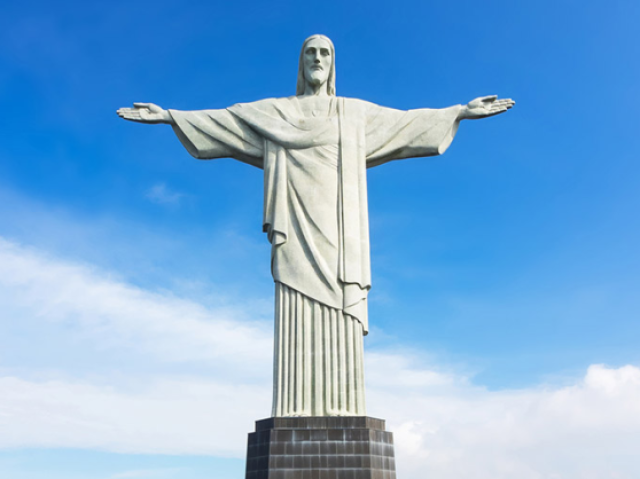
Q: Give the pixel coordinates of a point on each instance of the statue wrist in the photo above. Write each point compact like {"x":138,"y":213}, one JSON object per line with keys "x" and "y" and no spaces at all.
{"x":462,"y":114}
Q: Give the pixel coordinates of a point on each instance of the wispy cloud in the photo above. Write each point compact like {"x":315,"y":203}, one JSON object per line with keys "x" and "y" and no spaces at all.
{"x":116,"y":314}
{"x":161,"y":194}
{"x":166,"y":416}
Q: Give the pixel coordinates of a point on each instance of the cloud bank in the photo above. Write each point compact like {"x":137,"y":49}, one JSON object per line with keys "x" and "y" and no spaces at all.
{"x":445,"y":426}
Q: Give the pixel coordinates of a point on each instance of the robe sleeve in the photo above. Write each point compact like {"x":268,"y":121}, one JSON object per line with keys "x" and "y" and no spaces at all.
{"x":396,"y":134}
{"x":209,"y":134}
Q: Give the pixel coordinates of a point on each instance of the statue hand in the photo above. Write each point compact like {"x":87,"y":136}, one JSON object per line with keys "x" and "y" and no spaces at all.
{"x":145,"y":113}
{"x":484,"y":107}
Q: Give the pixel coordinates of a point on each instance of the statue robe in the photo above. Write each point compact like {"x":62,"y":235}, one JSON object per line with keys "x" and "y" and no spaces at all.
{"x":316,"y":218}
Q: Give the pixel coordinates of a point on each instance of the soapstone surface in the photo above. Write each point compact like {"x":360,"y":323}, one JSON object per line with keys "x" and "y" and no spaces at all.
{"x":314,"y":148}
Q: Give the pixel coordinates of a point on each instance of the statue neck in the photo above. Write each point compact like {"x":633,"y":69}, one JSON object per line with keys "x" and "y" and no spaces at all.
{"x":315,"y":90}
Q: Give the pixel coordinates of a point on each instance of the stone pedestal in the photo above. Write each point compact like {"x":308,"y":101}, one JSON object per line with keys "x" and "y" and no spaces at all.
{"x":320,"y":448}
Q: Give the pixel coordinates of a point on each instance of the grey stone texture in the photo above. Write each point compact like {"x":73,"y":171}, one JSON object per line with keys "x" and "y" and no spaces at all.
{"x":314,"y":148}
{"x":320,"y":448}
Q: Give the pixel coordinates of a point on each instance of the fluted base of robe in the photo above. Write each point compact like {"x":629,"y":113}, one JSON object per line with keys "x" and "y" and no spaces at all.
{"x":318,"y":359}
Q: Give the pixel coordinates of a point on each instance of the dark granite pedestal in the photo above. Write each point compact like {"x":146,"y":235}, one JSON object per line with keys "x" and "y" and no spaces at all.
{"x":320,"y":448}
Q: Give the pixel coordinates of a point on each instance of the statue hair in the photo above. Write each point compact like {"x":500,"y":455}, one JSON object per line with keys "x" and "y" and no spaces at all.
{"x":331,"y":80}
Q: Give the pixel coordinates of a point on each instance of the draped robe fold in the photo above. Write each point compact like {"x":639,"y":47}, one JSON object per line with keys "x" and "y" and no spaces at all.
{"x":316,"y":218}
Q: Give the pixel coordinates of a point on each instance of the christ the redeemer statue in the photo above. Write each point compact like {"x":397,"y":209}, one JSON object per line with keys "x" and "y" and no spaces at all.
{"x":314,"y":149}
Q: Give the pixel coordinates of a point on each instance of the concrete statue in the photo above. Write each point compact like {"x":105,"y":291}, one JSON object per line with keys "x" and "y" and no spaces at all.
{"x":314,"y":148}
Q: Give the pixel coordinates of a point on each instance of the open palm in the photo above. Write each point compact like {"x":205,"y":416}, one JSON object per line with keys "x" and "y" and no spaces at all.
{"x":145,"y":113}
{"x":485,"y":106}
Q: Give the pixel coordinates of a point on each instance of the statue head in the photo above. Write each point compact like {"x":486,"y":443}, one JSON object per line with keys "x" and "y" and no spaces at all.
{"x":317,"y":64}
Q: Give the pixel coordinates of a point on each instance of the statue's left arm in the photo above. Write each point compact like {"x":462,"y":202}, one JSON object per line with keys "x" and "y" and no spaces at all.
{"x":396,"y":134}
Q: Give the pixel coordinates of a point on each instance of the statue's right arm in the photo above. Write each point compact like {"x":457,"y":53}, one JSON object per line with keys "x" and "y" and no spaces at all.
{"x":206,"y":134}
{"x":146,"y":113}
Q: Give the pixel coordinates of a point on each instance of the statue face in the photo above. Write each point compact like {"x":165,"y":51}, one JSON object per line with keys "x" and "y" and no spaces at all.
{"x":317,"y":61}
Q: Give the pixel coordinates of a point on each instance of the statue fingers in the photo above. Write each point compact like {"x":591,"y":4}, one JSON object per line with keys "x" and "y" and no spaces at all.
{"x":498,"y":111}
{"x":488,"y":98}
{"x":505,"y":103}
{"x":142,"y":105}
{"x":128,"y":113}
{"x":499,"y":106}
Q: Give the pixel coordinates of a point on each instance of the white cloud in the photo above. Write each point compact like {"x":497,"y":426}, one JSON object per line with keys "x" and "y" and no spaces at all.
{"x":163,"y":195}
{"x":444,"y":425}
{"x":590,"y":429}
{"x":116,"y":314}
{"x":180,"y":416}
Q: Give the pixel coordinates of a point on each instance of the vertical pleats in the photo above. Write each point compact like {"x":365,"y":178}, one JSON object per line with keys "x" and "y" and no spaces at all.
{"x":318,"y":360}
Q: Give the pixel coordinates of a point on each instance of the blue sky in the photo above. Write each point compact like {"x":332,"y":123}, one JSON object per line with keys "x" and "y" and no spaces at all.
{"x":135,"y":280}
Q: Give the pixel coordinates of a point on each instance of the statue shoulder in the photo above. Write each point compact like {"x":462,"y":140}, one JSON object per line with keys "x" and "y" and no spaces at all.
{"x":362,"y":106}
{"x":266,"y":105}
{"x":356,"y":101}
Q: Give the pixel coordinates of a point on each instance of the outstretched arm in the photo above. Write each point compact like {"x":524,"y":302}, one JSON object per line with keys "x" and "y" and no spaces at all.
{"x":206,"y":134}
{"x":146,"y":113}
{"x":485,"y":106}
{"x":395,"y":134}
